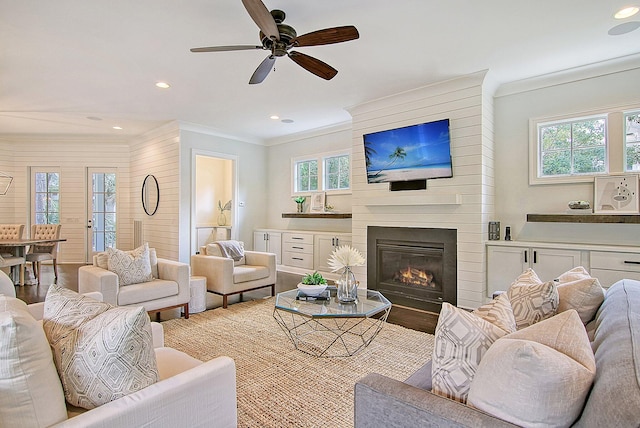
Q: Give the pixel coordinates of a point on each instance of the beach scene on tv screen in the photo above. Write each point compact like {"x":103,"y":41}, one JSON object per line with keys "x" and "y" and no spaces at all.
{"x":411,"y":153}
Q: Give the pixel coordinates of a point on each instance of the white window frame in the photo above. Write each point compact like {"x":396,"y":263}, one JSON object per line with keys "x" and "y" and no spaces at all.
{"x":624,"y":123}
{"x":44,"y":170}
{"x":320,"y":158}
{"x":615,"y":144}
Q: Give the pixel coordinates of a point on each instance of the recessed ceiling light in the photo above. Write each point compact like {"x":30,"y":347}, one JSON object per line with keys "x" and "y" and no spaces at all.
{"x":626,"y":12}
{"x":117,"y":127}
{"x":163,"y":85}
{"x":625,"y":28}
{"x":287,"y":120}
{"x":274,"y":117}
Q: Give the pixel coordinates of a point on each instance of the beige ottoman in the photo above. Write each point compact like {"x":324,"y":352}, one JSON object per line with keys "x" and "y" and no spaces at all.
{"x":198,"y":301}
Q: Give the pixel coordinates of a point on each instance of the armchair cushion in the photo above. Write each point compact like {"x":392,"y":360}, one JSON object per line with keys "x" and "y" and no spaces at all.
{"x":143,"y":292}
{"x":132,"y":267}
{"x":30,"y":391}
{"x":249,"y":273}
{"x":102,"y":352}
{"x":214,"y":249}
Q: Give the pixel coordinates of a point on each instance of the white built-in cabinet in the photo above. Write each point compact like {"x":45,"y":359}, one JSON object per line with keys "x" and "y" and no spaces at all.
{"x":508,"y":259}
{"x":324,"y":246}
{"x":269,"y":241}
{"x":301,"y":251}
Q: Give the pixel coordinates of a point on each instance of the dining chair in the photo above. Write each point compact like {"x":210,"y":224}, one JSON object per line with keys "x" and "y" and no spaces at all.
{"x":40,"y":252}
{"x":9,"y":259}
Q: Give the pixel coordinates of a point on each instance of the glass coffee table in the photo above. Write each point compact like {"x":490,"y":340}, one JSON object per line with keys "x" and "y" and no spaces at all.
{"x":328,"y":328}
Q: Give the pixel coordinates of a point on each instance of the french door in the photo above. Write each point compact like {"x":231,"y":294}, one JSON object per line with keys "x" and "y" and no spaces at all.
{"x":101,"y":215}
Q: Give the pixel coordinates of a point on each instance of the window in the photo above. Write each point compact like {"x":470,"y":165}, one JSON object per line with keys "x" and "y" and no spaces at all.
{"x":336,"y":172}
{"x":103,"y":211}
{"x":632,"y":134}
{"x":306,"y":176}
{"x":573,"y":147}
{"x":47,"y":198}
{"x":328,"y":172}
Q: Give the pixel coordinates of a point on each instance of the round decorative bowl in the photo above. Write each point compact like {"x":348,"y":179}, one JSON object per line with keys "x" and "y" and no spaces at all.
{"x":312,"y":290}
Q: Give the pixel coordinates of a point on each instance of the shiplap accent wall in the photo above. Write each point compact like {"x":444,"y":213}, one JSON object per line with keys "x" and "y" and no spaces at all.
{"x":158,"y":153}
{"x":71,"y":155}
{"x":7,"y":213}
{"x":469,"y":109}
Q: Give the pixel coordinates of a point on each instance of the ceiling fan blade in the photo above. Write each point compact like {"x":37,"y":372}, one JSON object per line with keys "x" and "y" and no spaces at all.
{"x":262,"y":17}
{"x":263,"y":70}
{"x":327,"y":36}
{"x":313,"y":65}
{"x":226,"y":48}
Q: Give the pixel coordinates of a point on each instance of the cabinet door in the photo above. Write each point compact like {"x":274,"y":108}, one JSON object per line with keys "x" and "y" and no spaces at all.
{"x":259,"y":241}
{"x":324,"y":246}
{"x":274,"y":245}
{"x":550,"y":263}
{"x":504,"y":264}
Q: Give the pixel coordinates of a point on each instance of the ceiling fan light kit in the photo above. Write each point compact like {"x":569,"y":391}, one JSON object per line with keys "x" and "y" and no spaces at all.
{"x":279,"y":39}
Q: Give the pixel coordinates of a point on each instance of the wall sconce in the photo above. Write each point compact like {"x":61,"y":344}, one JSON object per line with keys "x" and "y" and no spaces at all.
{"x":5,"y":182}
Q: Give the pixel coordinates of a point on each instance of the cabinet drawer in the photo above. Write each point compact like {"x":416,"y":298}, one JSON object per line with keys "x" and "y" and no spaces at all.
{"x":629,"y":262}
{"x":295,"y":247}
{"x":609,"y":277}
{"x":300,"y":238}
{"x":300,"y":260}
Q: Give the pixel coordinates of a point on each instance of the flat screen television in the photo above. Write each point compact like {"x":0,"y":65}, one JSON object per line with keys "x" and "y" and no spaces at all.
{"x":417,"y":152}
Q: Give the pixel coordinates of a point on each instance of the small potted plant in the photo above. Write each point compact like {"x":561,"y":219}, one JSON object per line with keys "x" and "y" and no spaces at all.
{"x":312,"y":284}
{"x":300,"y":201}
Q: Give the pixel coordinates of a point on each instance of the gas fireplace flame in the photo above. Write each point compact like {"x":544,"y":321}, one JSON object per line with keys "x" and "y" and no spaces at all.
{"x":414,"y":276}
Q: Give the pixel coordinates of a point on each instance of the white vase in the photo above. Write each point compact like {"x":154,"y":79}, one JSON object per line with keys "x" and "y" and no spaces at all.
{"x":347,"y":286}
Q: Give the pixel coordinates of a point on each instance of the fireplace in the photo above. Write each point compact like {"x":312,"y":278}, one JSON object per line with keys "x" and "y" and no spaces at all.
{"x":413,"y":267}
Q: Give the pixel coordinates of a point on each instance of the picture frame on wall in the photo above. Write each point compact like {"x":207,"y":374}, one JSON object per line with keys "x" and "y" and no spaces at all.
{"x":616,"y":194}
{"x":317,"y":202}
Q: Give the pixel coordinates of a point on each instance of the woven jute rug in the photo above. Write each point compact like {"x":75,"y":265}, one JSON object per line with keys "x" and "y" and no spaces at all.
{"x":280,"y":386}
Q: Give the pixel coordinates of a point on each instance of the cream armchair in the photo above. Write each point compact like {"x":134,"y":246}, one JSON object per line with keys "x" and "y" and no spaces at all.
{"x":169,"y":288}
{"x":226,"y":277}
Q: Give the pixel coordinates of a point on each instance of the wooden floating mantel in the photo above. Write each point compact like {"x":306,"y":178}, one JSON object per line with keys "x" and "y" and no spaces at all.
{"x":316,"y":215}
{"x":584,"y":218}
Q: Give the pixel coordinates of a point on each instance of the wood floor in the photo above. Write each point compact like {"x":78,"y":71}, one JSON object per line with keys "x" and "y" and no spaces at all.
{"x":68,"y":277}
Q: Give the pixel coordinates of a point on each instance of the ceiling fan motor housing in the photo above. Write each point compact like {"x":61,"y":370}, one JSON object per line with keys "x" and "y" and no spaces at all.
{"x":287,"y":34}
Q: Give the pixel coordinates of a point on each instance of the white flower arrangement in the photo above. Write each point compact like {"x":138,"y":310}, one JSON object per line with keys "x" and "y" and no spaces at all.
{"x":344,"y":256}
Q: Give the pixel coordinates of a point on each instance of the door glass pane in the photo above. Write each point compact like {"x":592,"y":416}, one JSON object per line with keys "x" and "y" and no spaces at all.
{"x":104,"y":211}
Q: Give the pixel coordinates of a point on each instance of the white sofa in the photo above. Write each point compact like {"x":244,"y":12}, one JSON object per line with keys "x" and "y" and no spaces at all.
{"x":169,"y":288}
{"x":190,"y":393}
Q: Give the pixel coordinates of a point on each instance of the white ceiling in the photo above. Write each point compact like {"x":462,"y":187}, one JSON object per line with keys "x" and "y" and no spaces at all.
{"x":62,"y":61}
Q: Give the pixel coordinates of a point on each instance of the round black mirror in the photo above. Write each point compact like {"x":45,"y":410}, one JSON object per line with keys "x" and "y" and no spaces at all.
{"x":150,"y":194}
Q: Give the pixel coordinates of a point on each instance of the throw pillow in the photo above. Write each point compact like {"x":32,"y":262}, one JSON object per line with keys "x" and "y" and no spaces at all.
{"x":132,"y":267}
{"x":532,"y":302}
{"x":30,"y":390}
{"x":101,"y":352}
{"x":578,"y":290}
{"x":499,"y":313}
{"x":538,"y":376}
{"x":213,"y":249}
{"x":461,"y":340}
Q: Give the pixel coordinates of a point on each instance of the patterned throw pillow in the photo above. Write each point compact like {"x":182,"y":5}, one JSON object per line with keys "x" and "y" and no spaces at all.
{"x":101,"y":352}
{"x":540,"y":375}
{"x":499,"y":313}
{"x":578,"y":290}
{"x":462,"y":338}
{"x":532,"y":302}
{"x":132,"y":267}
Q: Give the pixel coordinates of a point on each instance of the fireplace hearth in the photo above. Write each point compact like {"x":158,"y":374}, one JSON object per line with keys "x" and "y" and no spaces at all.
{"x":413,"y":267}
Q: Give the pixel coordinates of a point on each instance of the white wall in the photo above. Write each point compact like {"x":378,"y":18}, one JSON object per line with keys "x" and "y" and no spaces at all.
{"x":514,"y":106}
{"x":157,"y":153}
{"x":71,"y":155}
{"x":7,"y":213}
{"x":280,"y":186}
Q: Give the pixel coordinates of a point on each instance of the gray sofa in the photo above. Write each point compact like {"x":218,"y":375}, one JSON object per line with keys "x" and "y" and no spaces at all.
{"x":614,"y":399}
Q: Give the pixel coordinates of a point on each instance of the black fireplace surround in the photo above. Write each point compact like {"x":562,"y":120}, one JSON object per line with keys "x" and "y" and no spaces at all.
{"x":413,"y":267}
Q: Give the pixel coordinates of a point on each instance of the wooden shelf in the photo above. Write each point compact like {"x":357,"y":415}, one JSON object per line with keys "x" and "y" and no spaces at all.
{"x":316,"y":215}
{"x":584,"y":218}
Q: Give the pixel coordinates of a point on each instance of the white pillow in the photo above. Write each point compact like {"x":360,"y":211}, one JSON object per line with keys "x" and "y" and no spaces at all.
{"x":531,"y":299}
{"x":30,"y":390}
{"x":132,"y":267}
{"x":102,"y":352}
{"x":578,"y":290}
{"x":539,"y":376}
{"x":461,"y":340}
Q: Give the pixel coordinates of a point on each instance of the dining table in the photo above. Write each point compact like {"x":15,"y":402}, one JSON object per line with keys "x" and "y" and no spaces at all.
{"x":18,"y":248}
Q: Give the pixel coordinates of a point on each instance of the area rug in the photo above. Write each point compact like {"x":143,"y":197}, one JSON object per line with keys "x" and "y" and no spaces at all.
{"x":279,"y":386}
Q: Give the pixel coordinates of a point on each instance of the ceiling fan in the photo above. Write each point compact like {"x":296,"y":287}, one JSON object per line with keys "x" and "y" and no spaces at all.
{"x":279,"y":38}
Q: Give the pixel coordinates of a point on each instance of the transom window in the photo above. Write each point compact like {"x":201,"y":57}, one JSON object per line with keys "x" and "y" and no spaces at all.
{"x":632,"y":139}
{"x":573,"y":147}
{"x":47,"y":198}
{"x":328,"y":172}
